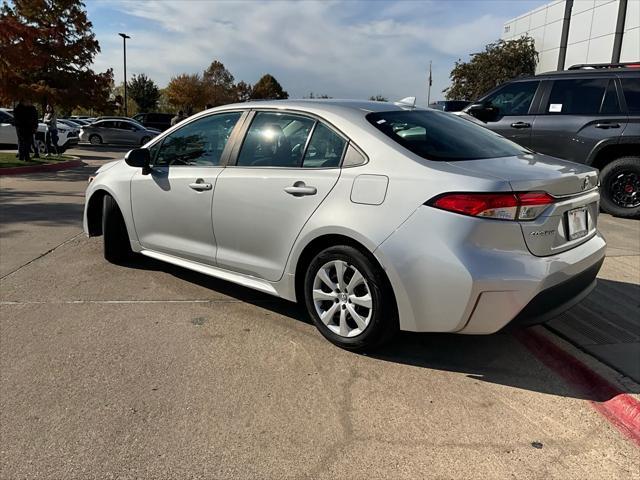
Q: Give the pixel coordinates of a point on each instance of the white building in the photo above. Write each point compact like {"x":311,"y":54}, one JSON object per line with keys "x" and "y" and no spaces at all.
{"x":571,"y":32}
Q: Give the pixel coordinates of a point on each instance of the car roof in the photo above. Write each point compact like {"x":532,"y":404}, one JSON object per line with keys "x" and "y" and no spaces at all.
{"x":319,"y":106}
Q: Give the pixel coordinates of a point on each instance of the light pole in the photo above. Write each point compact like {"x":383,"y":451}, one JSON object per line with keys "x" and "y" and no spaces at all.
{"x":124,"y":48}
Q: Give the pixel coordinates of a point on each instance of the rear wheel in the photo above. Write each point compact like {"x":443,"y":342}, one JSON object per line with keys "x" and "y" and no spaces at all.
{"x":620,"y":187}
{"x":95,"y":140}
{"x":117,"y":248}
{"x":349,"y":299}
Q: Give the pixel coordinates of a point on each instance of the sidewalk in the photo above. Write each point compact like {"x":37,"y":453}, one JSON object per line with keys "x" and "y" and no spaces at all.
{"x":607,"y":323}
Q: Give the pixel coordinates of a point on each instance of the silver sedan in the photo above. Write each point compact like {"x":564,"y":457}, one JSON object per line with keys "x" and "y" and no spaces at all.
{"x":377,"y":217}
{"x":117,"y":131}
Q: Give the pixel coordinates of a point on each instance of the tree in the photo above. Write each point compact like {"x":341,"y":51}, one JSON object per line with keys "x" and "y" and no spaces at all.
{"x":46,"y":50}
{"x":499,"y":62}
{"x":378,"y":98}
{"x":186,"y":92}
{"x":268,"y":88}
{"x":218,"y":83}
{"x":313,"y":95}
{"x":243,"y":92}
{"x":144,"y":92}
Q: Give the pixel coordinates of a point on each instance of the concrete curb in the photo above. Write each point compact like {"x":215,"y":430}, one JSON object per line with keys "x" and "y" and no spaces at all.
{"x":617,"y":406}
{"x":49,"y":167}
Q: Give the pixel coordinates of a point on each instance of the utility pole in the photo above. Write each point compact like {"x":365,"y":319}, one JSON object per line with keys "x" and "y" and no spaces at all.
{"x":429,"y":86}
{"x":124,"y":48}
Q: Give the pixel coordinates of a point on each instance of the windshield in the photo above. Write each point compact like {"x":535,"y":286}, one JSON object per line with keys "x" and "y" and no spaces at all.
{"x":441,"y":136}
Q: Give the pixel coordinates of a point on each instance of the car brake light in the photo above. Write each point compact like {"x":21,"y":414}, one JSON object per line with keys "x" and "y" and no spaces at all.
{"x":500,"y":206}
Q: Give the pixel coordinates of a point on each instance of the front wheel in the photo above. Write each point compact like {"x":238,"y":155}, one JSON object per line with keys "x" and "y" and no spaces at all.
{"x":620,"y":187}
{"x":117,"y":247}
{"x":349,"y":299}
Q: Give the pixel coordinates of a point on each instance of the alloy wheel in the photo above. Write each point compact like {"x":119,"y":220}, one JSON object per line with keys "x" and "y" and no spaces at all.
{"x":625,"y":189}
{"x":342,"y":298}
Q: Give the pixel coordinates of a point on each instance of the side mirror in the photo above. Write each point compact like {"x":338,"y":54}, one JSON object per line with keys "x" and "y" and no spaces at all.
{"x":139,"y":158}
{"x":482,"y":111}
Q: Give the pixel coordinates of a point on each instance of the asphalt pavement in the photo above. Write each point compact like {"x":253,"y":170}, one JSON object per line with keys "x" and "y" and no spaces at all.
{"x":151,"y":371}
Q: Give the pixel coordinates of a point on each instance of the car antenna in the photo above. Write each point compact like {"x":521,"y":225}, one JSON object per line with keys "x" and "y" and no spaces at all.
{"x":407,"y":102}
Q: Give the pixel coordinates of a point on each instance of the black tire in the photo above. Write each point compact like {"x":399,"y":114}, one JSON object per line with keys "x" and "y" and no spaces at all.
{"x":117,"y":248}
{"x":383,"y":324}
{"x":144,"y":140}
{"x":95,"y":139}
{"x":620,"y":187}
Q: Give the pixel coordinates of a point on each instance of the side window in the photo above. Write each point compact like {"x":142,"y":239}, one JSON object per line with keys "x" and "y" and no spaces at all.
{"x":576,"y":97}
{"x":631,"y":89}
{"x":105,"y":124}
{"x":126,"y":126}
{"x":275,"y":140}
{"x":325,"y":148}
{"x":514,"y":98}
{"x":610,"y":102}
{"x":199,"y":143}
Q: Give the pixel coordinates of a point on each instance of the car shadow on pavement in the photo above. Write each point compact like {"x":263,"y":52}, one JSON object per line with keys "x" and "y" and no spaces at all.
{"x":498,"y":359}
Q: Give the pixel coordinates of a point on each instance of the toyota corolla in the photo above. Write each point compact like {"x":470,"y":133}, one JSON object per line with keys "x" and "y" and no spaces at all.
{"x":377,"y":217}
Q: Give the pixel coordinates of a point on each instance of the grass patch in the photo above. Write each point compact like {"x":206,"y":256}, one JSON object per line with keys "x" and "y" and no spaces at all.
{"x":9,"y":160}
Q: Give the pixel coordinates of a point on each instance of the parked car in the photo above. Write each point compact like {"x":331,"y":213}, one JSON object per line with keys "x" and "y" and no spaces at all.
{"x":160,"y":121}
{"x":67,"y":136}
{"x":79,"y":121}
{"x":117,"y":131}
{"x":588,"y":114}
{"x":115,"y":117}
{"x":375,"y":216}
{"x":449,"y":105}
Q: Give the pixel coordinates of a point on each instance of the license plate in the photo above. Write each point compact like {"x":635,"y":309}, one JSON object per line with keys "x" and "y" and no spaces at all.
{"x":577,"y":223}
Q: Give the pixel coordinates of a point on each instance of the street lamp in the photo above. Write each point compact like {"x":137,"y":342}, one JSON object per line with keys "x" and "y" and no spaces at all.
{"x":124,"y":48}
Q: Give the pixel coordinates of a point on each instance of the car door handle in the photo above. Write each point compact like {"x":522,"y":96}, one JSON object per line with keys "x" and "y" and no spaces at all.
{"x":520,"y":125}
{"x":200,"y":185}
{"x":607,"y":125}
{"x":300,"y":189}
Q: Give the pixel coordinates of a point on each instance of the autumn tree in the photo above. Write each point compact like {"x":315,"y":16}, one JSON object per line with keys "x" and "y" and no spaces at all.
{"x":268,"y":88}
{"x":499,"y":62}
{"x":46,"y":51}
{"x":144,"y":92}
{"x":218,"y":84}
{"x":243,"y":92}
{"x":186,"y":92}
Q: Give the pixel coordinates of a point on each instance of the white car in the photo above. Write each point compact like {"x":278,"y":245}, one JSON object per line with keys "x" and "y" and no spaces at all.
{"x":375,"y":216}
{"x":67,"y":136}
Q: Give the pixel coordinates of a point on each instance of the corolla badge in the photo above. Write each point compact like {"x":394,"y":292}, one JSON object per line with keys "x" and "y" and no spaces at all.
{"x":585,"y":183}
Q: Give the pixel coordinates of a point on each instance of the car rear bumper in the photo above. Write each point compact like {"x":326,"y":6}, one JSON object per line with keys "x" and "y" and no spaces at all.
{"x":452,"y":273}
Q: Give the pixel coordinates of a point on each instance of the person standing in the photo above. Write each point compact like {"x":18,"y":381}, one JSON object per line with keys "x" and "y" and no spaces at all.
{"x":23,"y":129}
{"x":51,"y":121}
{"x":33,"y":116}
{"x":178,"y":118}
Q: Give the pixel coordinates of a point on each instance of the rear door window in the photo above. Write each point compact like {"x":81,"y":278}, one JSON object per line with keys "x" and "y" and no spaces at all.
{"x":577,"y":96}
{"x":325,"y":148}
{"x":275,"y":140}
{"x":631,"y":90}
{"x":610,"y":102}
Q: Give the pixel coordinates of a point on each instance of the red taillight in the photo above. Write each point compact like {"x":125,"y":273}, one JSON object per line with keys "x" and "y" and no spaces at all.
{"x":502,"y":206}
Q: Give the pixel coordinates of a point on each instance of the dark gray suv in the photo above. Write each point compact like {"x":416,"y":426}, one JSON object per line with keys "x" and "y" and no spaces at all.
{"x":587,"y":114}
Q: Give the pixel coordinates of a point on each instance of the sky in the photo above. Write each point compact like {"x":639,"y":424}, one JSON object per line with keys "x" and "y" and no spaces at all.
{"x":341,"y":48}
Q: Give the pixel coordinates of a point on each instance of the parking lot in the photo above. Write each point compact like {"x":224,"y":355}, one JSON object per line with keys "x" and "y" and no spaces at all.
{"x":153,"y":371}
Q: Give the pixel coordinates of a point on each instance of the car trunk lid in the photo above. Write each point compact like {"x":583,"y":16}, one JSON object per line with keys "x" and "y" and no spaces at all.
{"x":571,"y":219}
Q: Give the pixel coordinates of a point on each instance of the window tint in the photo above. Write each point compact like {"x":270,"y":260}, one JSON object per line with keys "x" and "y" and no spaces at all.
{"x":631,"y":89}
{"x":576,"y":97}
{"x":105,"y":124}
{"x":514,"y":98}
{"x":126,"y":126}
{"x":275,"y":140}
{"x":325,"y":148}
{"x":441,"y":136}
{"x":610,"y":102}
{"x":199,"y":143}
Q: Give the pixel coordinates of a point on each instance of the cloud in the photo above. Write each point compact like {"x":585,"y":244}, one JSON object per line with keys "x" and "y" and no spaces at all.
{"x":343,"y":49}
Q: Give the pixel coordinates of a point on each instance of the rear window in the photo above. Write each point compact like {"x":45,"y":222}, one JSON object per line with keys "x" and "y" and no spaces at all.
{"x":442,"y":136}
{"x":577,"y":97}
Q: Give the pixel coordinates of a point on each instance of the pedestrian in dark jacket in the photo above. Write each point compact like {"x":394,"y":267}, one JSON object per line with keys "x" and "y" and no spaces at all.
{"x":33,"y":115}
{"x":22,"y":122}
